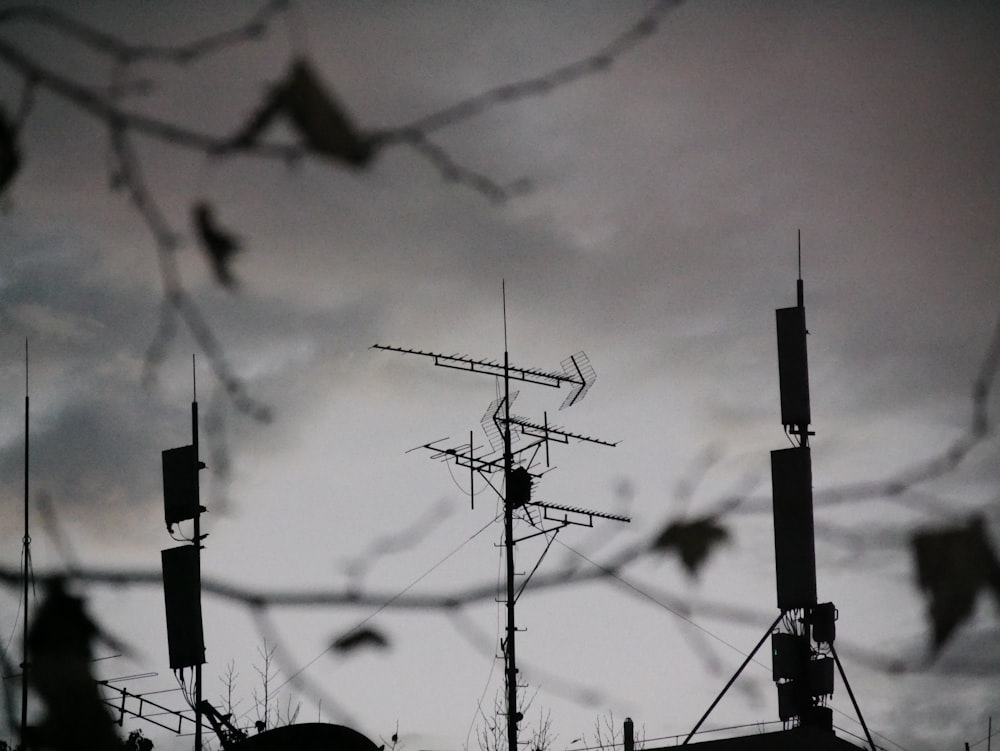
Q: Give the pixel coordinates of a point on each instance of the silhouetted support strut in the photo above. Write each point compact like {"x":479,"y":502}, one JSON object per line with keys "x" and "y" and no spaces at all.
{"x":733,"y":679}
{"x":847,"y":685}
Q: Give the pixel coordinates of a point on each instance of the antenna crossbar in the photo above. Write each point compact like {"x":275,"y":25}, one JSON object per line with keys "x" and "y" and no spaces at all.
{"x":490,"y":367}
{"x":550,"y":432}
{"x":141,"y":707}
{"x":465,"y":457}
{"x":490,"y":463}
{"x":546,"y":507}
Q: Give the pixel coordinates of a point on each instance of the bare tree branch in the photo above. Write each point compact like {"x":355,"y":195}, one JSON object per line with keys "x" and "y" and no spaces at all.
{"x":104,"y":106}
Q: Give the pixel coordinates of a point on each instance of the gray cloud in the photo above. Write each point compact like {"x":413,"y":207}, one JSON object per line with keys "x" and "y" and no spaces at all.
{"x":659,"y":235}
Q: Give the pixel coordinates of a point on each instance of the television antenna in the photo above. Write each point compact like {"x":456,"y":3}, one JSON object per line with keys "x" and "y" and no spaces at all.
{"x":502,"y":429}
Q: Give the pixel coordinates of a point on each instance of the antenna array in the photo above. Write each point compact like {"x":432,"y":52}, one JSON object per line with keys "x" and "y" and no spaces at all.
{"x":802,"y":637}
{"x":502,"y":429}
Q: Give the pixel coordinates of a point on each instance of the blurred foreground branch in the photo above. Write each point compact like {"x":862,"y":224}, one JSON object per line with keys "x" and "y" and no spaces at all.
{"x":324,"y":128}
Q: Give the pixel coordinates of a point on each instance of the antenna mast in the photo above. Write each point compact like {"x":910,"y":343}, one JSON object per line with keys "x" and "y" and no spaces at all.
{"x":804,"y":655}
{"x":802,"y":651}
{"x":197,"y":548}
{"x":503,"y":428}
{"x":510,"y":655}
{"x":182,"y":565}
{"x":26,"y":543}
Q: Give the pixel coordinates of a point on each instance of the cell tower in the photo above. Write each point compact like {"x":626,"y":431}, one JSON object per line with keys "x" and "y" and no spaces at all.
{"x":802,"y":663}
{"x":519,"y":476}
{"x":802,"y":636}
{"x":182,"y":564}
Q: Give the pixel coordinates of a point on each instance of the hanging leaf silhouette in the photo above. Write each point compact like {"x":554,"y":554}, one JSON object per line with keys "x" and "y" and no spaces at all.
{"x":219,"y":244}
{"x":315,"y":114}
{"x":953,"y":566}
{"x":692,"y":540}
{"x":10,"y":155}
{"x":59,"y":660}
{"x":360,"y":638}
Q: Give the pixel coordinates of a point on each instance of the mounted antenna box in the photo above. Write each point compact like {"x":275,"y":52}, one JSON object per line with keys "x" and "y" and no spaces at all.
{"x":519,"y":487}
{"x":791,"y":701}
{"x":794,"y":547}
{"x":788,"y":652}
{"x":820,"y":676}
{"x":180,"y":484}
{"x":182,"y":597}
{"x":793,"y":367}
{"x":819,"y":717}
{"x":823,"y":619}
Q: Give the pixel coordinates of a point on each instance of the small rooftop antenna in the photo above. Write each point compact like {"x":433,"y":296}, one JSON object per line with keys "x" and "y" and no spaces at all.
{"x":799,"y":294}
{"x":182,"y":565}
{"x":503,"y":295}
{"x":26,"y":543}
{"x":516,"y":466}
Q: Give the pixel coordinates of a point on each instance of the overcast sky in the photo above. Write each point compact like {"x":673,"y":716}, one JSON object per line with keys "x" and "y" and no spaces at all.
{"x":658,"y":233}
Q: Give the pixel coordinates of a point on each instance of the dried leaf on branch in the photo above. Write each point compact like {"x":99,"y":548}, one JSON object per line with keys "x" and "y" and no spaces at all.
{"x":691,"y":540}
{"x":219,"y":244}
{"x":954,"y":565}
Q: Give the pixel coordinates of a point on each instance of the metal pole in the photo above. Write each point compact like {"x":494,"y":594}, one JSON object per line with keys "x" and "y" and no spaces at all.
{"x":27,"y":566}
{"x":197,"y":544}
{"x":847,"y":685}
{"x":508,"y":520}
{"x":733,"y":679}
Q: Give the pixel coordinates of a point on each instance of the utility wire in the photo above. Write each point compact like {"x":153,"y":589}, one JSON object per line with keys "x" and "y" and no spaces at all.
{"x":646,"y":595}
{"x":493,"y":660}
{"x":392,"y":599}
{"x":638,"y":590}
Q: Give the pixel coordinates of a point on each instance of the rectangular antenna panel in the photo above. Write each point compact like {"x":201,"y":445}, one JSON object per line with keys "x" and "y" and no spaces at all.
{"x":182,"y":597}
{"x":788,"y":652}
{"x":824,"y":626}
{"x":790,"y":703}
{"x":794,"y":545}
{"x":819,"y":717}
{"x":793,"y":366}
{"x":518,"y":487}
{"x":821,"y":676}
{"x":180,"y":484}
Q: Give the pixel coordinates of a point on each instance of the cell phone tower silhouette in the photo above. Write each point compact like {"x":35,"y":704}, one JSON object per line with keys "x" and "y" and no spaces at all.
{"x":802,"y":636}
{"x":503,"y":429}
{"x":182,"y":565}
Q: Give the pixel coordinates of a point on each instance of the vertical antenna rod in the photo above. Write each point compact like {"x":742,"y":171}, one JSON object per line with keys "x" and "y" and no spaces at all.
{"x":510,"y":665}
{"x":800,"y":295}
{"x":26,"y":541}
{"x":503,"y":297}
{"x":197,"y":547}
